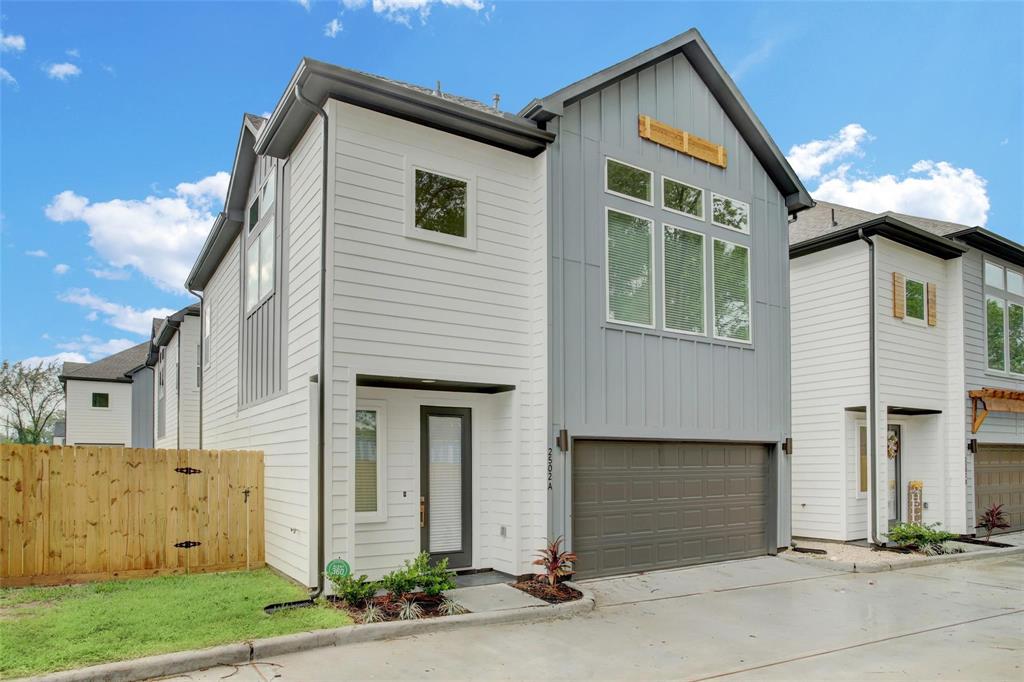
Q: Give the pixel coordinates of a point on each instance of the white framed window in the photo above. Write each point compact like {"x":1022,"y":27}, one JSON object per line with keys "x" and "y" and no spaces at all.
{"x":1004,"y":319}
{"x":441,"y":207}
{"x":915,"y":301}
{"x":628,"y":181}
{"x":1014,"y":282}
{"x":259,"y":266}
{"x":730,"y":213}
{"x":263,"y":201}
{"x":995,"y":333}
{"x":629,"y":252}
{"x":994,"y":275}
{"x":730,"y":279}
{"x":101,"y":401}
{"x":679,"y":197}
{"x":682,"y":276}
{"x":371,"y":460}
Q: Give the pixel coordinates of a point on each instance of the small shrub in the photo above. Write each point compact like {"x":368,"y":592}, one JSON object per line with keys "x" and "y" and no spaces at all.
{"x":993,"y":519}
{"x":432,"y":579}
{"x":556,"y":563}
{"x":918,"y":536}
{"x":373,"y":614}
{"x":450,"y":607}
{"x":944,"y":548}
{"x":409,"y":610}
{"x":399,"y":582}
{"x":354,"y":591}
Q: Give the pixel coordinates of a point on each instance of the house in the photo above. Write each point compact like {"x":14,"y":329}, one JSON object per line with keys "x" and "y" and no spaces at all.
{"x":908,"y":373}
{"x":175,"y":375}
{"x":404,"y":306}
{"x":98,"y":399}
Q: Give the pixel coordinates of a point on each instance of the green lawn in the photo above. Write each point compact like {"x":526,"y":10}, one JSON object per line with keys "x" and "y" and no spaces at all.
{"x":43,"y":629}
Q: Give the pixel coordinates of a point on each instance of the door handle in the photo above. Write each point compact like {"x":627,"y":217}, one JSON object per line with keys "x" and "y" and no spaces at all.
{"x":423,"y":512}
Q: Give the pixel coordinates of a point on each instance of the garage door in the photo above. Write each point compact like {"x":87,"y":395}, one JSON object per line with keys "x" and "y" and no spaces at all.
{"x":999,"y":479}
{"x":639,"y":506}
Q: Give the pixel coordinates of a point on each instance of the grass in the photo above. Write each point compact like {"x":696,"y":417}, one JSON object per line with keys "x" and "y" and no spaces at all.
{"x":43,"y":629}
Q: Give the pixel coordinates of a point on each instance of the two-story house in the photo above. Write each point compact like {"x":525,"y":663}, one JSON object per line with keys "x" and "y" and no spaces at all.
{"x":464,"y":331}
{"x":908,"y":372}
{"x":174,"y":390}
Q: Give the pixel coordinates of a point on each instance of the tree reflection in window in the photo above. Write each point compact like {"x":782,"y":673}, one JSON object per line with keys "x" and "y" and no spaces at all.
{"x":441,"y":203}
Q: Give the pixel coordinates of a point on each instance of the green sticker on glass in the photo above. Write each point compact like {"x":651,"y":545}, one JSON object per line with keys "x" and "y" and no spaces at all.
{"x":338,"y":568}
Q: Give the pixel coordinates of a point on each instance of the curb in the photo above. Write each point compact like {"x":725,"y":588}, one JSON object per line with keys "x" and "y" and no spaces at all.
{"x":165,"y":665}
{"x":846,"y":567}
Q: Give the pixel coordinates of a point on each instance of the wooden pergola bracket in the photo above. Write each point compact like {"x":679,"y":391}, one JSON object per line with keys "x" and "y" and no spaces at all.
{"x":987,"y":400}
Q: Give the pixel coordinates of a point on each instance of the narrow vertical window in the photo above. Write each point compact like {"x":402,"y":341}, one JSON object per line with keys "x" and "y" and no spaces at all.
{"x":252,"y":274}
{"x":683,"y":280}
{"x":731,"y":277}
{"x":369,"y":452}
{"x":915,"y":302}
{"x":207,"y":311}
{"x":995,"y":316}
{"x":630,"y":285}
{"x":862,"y":460}
{"x":1015,"y":320}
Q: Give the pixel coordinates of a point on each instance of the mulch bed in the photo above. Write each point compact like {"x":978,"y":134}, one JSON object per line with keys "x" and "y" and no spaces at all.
{"x":978,"y":541}
{"x":391,"y":607}
{"x":542,"y":590}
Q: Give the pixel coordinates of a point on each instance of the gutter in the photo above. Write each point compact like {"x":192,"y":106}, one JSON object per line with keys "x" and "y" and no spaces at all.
{"x":872,"y":412}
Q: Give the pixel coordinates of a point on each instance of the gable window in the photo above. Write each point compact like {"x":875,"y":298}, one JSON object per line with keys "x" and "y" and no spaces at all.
{"x":679,"y":197}
{"x":259,"y":266}
{"x":440,"y":208}
{"x":630,"y":246}
{"x":683,"y":280}
{"x":370,"y":446}
{"x":101,"y":400}
{"x":730,"y":213}
{"x":731,"y":278}
{"x":914,"y":300}
{"x":631,"y":182}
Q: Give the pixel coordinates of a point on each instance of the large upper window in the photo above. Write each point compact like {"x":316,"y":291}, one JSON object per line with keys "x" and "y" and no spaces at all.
{"x":628,"y":181}
{"x":679,"y":197}
{"x":259,"y":266}
{"x":683,"y":280}
{"x":731,"y":277}
{"x":369,"y":453}
{"x":630,"y":262}
{"x":731,"y":213}
{"x":1004,"y":319}
{"x":441,"y":203}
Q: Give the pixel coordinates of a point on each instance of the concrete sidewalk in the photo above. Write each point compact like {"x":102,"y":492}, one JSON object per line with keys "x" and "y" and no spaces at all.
{"x":762,"y":618}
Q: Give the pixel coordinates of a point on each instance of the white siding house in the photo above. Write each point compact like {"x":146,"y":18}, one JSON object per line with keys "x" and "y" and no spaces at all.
{"x":98,"y":398}
{"x":174,"y":355}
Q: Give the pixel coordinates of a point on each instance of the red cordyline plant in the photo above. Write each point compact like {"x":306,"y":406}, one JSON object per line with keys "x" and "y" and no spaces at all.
{"x":993,"y":519}
{"x":556,"y":563}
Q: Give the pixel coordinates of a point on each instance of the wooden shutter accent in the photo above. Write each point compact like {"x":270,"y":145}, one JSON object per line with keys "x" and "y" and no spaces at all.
{"x":899,"y":296}
{"x":682,"y":141}
{"x":933,"y":317}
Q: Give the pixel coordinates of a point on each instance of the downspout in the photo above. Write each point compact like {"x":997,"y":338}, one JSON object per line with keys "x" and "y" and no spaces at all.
{"x":202,"y":365}
{"x":873,"y":417}
{"x":315,"y":594}
{"x":177,"y":391}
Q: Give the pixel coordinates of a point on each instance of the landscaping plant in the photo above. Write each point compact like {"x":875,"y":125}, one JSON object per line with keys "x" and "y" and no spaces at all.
{"x":399,"y":582}
{"x":354,"y":591}
{"x":432,"y":579}
{"x":555,"y":562}
{"x":409,"y":610}
{"x":450,"y":607}
{"x":373,"y":614}
{"x":993,"y":519}
{"x":919,"y":536}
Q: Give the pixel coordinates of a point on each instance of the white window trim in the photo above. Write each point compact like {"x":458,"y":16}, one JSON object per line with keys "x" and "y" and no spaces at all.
{"x":607,"y":272}
{"x":264,"y":210}
{"x":750,"y":297}
{"x":984,"y":274}
{"x":626,"y":196}
{"x":703,"y":199}
{"x":729,"y":227}
{"x":254,"y":240}
{"x":94,"y":407}
{"x":414,"y":232}
{"x":704,"y":283}
{"x":1006,"y":325}
{"x":923,"y":322}
{"x":380,"y":407}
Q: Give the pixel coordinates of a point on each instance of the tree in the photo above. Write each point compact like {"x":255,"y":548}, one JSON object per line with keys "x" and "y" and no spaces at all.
{"x":31,"y":400}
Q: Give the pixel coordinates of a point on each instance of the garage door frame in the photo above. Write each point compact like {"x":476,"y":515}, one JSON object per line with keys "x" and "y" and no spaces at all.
{"x":979,"y":506}
{"x":771,"y":494}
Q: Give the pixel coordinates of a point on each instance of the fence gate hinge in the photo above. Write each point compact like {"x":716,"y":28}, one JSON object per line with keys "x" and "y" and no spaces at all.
{"x":187,"y":544}
{"x":188,"y":470}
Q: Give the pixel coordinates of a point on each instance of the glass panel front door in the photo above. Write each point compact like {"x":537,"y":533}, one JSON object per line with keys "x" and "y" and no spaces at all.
{"x":894,"y":450}
{"x":445,"y":463}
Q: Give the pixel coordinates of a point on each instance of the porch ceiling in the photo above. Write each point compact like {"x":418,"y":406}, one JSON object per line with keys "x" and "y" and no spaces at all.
{"x":420,"y":384}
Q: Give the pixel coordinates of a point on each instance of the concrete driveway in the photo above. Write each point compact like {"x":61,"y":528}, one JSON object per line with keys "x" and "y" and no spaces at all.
{"x":758,"y":619}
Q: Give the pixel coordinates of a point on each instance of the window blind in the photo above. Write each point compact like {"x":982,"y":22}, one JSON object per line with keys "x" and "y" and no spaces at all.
{"x":732,"y":290}
{"x":630,"y":296}
{"x":684,"y":280}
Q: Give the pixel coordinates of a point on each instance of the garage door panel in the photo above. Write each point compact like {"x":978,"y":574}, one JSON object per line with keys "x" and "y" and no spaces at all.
{"x":999,"y":479}
{"x":686,"y":504}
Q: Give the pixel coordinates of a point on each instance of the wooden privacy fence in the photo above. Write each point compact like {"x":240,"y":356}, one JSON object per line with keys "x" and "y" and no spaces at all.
{"x":74,"y":514}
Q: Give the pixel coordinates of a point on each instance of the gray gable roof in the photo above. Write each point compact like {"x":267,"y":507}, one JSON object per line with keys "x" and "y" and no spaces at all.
{"x":827,"y":217}
{"x":110,"y":368}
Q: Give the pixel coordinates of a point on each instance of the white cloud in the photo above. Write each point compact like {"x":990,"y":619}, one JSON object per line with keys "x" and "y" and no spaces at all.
{"x":61,"y":269}
{"x":12,"y":43}
{"x":760,"y":54}
{"x":37,"y":253}
{"x":96,"y":348}
{"x":305,"y":4}
{"x":333,"y":28}
{"x":158,"y":236}
{"x":810,"y":158}
{"x":62,"y":71}
{"x":116,"y":315}
{"x":73,"y":52}
{"x":6,"y":77}
{"x":354,"y":4}
{"x":37,"y":360}
{"x":116,"y":275}
{"x":402,"y":11}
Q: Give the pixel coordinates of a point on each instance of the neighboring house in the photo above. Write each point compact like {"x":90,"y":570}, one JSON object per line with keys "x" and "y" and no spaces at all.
{"x":926,"y":454}
{"x":58,"y":433}
{"x":98,"y":399}
{"x":408,"y":347}
{"x":174,"y":380}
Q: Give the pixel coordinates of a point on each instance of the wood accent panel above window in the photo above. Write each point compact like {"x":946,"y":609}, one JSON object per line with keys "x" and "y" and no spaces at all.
{"x":933,"y":318}
{"x":682,"y":141}
{"x":899,"y":296}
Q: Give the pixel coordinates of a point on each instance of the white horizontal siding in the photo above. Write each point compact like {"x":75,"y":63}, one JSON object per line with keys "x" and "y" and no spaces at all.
{"x":88,"y":424}
{"x":169,"y":438}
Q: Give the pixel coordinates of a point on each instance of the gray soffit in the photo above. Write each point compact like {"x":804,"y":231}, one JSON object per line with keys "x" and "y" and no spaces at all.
{"x":885,"y":226}
{"x":111,"y":368}
{"x":167,"y":330}
{"x":320,"y":81}
{"x":430,"y":384}
{"x":903,"y":411}
{"x":692,"y":45}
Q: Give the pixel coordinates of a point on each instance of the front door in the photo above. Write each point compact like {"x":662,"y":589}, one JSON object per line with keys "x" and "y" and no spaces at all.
{"x":894,"y":451}
{"x":446,"y":510}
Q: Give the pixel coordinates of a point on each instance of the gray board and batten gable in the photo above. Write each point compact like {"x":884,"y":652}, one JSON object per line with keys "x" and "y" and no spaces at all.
{"x":609,"y":380}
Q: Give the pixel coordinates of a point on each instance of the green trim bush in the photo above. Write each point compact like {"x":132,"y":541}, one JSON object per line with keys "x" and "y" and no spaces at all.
{"x":918,"y":536}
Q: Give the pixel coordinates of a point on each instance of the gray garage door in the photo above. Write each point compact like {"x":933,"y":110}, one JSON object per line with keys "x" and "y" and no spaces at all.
{"x":639,"y":506}
{"x":999,"y":479}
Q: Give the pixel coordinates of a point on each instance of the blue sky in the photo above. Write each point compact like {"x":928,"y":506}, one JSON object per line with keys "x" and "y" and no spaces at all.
{"x":118,"y":120}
